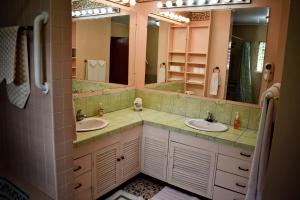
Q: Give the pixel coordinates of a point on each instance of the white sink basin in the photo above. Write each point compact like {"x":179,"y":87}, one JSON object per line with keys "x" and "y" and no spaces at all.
{"x":203,"y":125}
{"x":90,"y":124}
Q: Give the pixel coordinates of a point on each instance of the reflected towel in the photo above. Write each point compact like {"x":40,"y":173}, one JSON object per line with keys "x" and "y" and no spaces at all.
{"x":95,"y":70}
{"x":14,"y":64}
{"x":215,"y":83}
{"x":161,"y":78}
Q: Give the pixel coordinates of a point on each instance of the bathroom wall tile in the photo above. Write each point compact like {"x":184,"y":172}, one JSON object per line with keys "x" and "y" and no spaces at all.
{"x":254,"y":118}
{"x":92,"y":106}
{"x":80,"y":103}
{"x":179,"y":105}
{"x":166,"y":104}
{"x":124,"y":100}
{"x":193,"y":107}
{"x":244,"y":115}
{"x":155,"y":101}
{"x":223,"y":113}
{"x":207,"y":106}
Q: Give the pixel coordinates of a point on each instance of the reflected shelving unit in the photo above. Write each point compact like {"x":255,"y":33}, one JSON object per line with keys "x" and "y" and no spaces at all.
{"x":74,"y":68}
{"x":188,"y":54}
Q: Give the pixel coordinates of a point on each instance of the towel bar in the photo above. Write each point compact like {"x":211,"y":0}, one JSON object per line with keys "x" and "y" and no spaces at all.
{"x":38,"y":71}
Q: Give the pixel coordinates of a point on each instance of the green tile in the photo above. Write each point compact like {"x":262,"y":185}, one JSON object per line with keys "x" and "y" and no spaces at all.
{"x":92,"y":106}
{"x":254,"y":118}
{"x":124,"y":100}
{"x":167,"y":103}
{"x":155,"y":101}
{"x":223,"y":113}
{"x":207,"y":106}
{"x":193,"y":107}
{"x":244,"y":115}
{"x":80,"y":104}
{"x":179,"y":105}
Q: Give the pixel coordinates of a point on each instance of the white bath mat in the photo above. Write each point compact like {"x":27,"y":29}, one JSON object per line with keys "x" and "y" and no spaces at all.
{"x":170,"y":194}
{"x":122,"y":195}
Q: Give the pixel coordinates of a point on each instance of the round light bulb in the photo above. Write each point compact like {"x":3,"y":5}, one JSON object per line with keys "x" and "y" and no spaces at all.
{"x":227,"y":1}
{"x":169,"y":4}
{"x":125,"y":1}
{"x":201,"y":2}
{"x":167,"y":14}
{"x":132,"y":2}
{"x":103,"y":11}
{"x":83,"y":12}
{"x":73,"y":13}
{"x":179,"y":3}
{"x":96,"y":11}
{"x":214,"y":1}
{"x":176,"y":17}
{"x":77,"y":13}
{"x":90,"y":11}
{"x":159,"y":4}
{"x":171,"y":15}
{"x":187,"y":20}
{"x":109,"y":10}
{"x":190,"y":2}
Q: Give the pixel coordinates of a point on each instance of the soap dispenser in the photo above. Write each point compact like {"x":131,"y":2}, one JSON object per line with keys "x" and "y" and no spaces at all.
{"x":237,"y":121}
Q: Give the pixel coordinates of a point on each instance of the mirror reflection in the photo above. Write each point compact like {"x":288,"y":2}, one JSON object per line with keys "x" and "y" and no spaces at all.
{"x":100,"y":52}
{"x":247,"y":52}
{"x":195,"y":58}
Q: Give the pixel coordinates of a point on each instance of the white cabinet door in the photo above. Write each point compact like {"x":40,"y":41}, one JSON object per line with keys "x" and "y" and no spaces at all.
{"x":155,"y":143}
{"x":130,"y":156}
{"x":106,"y":169}
{"x":191,"y":168}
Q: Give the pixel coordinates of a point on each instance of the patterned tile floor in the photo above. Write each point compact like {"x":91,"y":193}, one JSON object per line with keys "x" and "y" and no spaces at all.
{"x":144,"y":187}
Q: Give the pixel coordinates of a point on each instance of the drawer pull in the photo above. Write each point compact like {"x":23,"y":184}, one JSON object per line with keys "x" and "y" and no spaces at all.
{"x":77,"y":186}
{"x":243,"y":169}
{"x":240,"y":185}
{"x":245,"y":155}
{"x":77,"y":168}
{"x":122,"y":157}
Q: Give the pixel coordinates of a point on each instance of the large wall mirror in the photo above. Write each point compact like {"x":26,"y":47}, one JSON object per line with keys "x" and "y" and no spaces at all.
{"x":218,"y":54}
{"x":100,"y":51}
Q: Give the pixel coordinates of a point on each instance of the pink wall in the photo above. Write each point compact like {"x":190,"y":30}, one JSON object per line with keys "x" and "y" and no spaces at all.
{"x":37,"y":141}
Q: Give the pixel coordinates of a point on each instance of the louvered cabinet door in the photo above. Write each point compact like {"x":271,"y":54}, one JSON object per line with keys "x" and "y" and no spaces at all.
{"x":130,"y":156}
{"x":191,"y":168}
{"x":155,"y":143}
{"x":106,"y":169}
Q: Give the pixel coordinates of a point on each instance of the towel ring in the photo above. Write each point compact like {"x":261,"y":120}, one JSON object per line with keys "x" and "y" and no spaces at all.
{"x":216,"y":68}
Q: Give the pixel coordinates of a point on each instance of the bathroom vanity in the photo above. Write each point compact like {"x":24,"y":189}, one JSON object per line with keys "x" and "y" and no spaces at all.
{"x":204,"y":163}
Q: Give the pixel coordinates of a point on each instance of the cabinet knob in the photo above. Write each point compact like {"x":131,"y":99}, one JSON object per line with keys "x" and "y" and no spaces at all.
{"x":118,"y":159}
{"x":76,"y":168}
{"x":122,"y":157}
{"x":78,"y":185}
{"x":243,"y":169}
{"x":245,"y":155}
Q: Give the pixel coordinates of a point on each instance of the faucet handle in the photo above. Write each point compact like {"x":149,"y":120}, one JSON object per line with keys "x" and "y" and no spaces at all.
{"x":210,"y":117}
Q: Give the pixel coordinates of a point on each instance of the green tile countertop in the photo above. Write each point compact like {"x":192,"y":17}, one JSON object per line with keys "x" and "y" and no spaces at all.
{"x":127,"y":118}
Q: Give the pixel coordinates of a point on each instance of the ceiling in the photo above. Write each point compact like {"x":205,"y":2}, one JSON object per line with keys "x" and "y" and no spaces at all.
{"x":251,"y":16}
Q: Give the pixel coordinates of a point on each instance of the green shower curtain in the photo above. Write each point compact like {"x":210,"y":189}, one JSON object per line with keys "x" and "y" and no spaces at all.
{"x":245,"y":74}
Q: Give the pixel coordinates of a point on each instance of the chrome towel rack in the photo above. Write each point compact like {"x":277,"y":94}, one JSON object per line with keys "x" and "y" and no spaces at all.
{"x":39,"y":21}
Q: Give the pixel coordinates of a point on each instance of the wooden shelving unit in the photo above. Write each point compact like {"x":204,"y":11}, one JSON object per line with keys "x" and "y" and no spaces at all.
{"x":188,"y":49}
{"x":74,"y":68}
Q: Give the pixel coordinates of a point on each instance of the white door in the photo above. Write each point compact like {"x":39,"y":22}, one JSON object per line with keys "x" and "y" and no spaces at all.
{"x":130,"y":156}
{"x":106,"y":170}
{"x":191,"y":168}
{"x":155,"y":152}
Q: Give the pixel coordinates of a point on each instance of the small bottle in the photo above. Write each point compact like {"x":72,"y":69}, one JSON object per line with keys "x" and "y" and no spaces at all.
{"x":237,"y":121}
{"x":100,"y":110}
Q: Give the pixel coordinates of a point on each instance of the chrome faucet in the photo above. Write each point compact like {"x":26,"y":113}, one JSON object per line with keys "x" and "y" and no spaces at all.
{"x":79,"y":115}
{"x":210,"y":117}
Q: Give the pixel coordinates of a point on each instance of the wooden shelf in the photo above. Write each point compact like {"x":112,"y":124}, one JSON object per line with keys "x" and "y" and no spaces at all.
{"x":197,"y":53}
{"x":193,"y":73}
{"x":176,"y":52}
{"x":198,"y":26}
{"x":194,"y":83}
{"x":179,"y":62}
{"x":195,"y":63}
{"x":74,"y":57}
{"x":176,"y":72}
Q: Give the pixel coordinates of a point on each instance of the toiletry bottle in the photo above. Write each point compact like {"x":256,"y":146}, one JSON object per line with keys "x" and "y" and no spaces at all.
{"x":237,"y":121}
{"x":100,"y":110}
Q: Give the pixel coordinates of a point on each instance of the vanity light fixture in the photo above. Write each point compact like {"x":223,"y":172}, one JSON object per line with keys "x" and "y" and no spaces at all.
{"x":95,"y":12}
{"x":198,"y":3}
{"x":132,"y":2}
{"x":175,"y":17}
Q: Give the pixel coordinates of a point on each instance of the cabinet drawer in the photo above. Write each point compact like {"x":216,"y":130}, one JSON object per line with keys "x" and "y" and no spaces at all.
{"x":82,"y":165}
{"x":223,"y":194}
{"x":85,"y":195}
{"x":235,"y":152}
{"x":232,"y":182}
{"x":83,"y":182}
{"x":233,"y":165}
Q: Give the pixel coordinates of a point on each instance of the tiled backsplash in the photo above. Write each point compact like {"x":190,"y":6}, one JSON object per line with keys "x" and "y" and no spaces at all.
{"x":169,"y":86}
{"x":79,"y":86}
{"x":111,"y":101}
{"x":197,"y":108}
{"x":171,"y":103}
